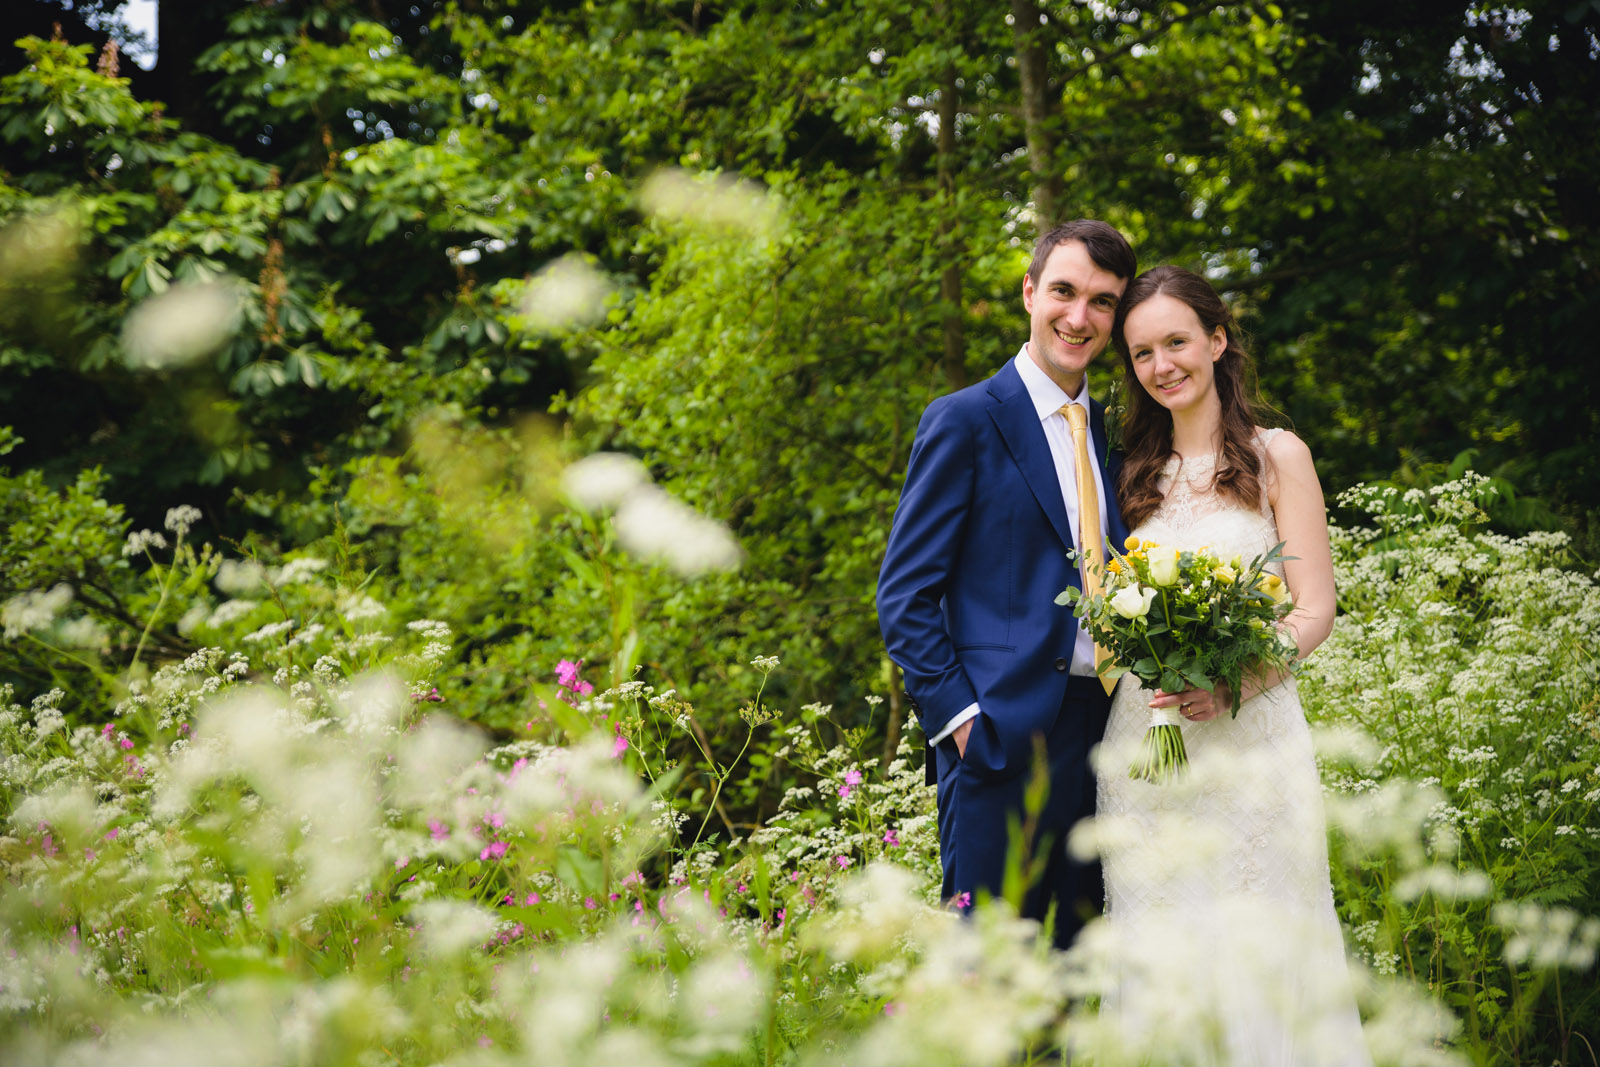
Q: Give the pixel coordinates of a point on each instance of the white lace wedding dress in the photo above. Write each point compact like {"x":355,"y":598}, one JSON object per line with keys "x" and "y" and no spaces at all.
{"x":1221,"y":930}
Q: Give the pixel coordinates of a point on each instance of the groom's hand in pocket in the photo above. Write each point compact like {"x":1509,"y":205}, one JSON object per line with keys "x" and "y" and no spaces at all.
{"x":959,"y":736}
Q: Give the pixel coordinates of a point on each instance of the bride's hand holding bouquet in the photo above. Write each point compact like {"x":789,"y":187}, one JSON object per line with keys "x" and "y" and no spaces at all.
{"x":1177,"y":620}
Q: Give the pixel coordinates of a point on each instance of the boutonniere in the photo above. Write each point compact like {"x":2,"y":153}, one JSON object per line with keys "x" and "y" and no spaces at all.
{"x":1116,"y":411}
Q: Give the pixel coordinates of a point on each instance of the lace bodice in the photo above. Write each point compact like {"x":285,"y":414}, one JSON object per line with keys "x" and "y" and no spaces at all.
{"x":1192,"y":513}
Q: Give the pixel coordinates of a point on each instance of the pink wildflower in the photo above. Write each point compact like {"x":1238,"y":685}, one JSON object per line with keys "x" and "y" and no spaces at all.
{"x":891,"y":838}
{"x":493,"y":850}
{"x":533,"y":898}
{"x":891,"y":1008}
{"x":125,"y":743}
{"x":844,"y":862}
{"x":438,"y":830}
{"x":567,"y":673}
{"x":962,"y":900}
{"x":589,"y":903}
{"x":618,"y":746}
{"x":113,"y":833}
{"x":400,"y":863}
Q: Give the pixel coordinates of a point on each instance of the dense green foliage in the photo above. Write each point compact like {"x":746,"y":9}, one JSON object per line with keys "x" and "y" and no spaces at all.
{"x":358,"y":281}
{"x":1397,"y":202}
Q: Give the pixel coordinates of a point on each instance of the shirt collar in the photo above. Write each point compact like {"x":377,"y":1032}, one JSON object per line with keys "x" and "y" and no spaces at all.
{"x":1046,"y":395}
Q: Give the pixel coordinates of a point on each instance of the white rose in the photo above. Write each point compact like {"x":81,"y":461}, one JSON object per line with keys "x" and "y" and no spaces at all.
{"x":1164,"y":567}
{"x":1133,"y":602}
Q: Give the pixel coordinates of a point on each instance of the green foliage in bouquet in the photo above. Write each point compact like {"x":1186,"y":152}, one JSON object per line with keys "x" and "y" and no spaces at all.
{"x":1178,"y":619}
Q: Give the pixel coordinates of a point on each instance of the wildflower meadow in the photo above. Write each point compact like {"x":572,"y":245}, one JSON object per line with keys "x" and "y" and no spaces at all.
{"x":282,"y":847}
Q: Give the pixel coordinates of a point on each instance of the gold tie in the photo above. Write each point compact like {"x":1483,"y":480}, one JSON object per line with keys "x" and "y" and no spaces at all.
{"x":1092,"y":541}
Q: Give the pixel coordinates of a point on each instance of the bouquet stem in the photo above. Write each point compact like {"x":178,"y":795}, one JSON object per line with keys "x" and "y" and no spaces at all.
{"x":1162,"y":754}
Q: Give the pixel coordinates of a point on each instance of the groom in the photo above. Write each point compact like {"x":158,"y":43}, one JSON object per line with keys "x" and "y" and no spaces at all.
{"x":966,"y":598}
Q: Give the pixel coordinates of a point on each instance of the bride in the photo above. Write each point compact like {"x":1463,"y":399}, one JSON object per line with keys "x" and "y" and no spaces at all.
{"x":1226,"y":943}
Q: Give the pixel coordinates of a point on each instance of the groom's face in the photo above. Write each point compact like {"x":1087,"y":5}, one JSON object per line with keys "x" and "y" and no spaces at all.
{"x":1070,"y":311}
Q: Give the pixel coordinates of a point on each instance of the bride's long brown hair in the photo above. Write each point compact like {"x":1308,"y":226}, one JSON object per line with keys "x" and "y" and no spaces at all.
{"x":1147,"y":426}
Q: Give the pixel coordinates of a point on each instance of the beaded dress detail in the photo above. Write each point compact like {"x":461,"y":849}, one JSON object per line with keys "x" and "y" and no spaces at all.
{"x":1217,"y":885}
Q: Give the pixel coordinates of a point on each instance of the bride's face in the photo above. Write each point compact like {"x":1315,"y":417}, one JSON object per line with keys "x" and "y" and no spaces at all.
{"x":1173,"y":354}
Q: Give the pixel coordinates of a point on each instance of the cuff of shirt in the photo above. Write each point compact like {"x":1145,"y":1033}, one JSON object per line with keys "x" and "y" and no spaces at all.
{"x":966,"y":713}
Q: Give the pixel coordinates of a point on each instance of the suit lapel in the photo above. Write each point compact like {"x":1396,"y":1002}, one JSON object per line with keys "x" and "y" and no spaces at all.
{"x":1014,"y":416}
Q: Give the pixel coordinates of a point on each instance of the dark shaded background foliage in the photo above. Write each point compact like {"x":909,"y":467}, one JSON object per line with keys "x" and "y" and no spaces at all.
{"x":1401,"y":199}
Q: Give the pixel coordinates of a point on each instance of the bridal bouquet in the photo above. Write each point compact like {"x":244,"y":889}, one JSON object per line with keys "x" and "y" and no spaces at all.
{"x":1177,"y":620}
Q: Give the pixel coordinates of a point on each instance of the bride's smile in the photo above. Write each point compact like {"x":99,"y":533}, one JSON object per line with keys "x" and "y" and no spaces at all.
{"x":1172,"y":352}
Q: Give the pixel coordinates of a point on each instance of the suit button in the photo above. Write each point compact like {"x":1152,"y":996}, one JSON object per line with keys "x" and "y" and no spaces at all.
{"x":1061,"y":664}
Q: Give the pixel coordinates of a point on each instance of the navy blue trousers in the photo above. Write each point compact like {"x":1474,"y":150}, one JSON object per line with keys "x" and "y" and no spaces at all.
{"x":978,"y":806}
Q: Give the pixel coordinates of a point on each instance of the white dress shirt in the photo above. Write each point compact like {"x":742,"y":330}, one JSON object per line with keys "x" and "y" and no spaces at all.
{"x":1047,"y":399}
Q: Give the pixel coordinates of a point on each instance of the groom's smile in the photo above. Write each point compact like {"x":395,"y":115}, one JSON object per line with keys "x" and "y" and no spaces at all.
{"x":1070,"y":311}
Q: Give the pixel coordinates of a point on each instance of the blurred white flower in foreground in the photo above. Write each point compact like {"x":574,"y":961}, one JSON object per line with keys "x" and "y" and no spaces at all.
{"x":451,"y":927}
{"x":180,"y":326}
{"x":34,"y":246}
{"x":654,"y":525}
{"x":1547,"y":938}
{"x":650,"y":522}
{"x":568,"y":292}
{"x":240,"y":577}
{"x":719,"y":201}
{"x":34,"y":610}
{"x":603,"y":479}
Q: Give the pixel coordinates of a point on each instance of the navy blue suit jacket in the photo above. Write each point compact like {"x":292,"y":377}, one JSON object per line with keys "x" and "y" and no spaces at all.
{"x":976,"y":557}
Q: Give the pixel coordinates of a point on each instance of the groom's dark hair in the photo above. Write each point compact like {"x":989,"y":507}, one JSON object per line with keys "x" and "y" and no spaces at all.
{"x":1108,"y":249}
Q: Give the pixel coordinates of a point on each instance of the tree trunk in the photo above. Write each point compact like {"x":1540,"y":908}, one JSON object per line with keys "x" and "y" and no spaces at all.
{"x":955,"y":342}
{"x":183,"y":32}
{"x":1038,"y":113}
{"x":891,"y":741}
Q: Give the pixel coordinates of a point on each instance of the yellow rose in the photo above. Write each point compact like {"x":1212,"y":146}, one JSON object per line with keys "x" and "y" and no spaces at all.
{"x":1224,"y":573}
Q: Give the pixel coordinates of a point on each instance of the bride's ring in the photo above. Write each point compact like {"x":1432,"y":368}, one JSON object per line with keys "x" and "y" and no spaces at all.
{"x":1185,"y":708}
